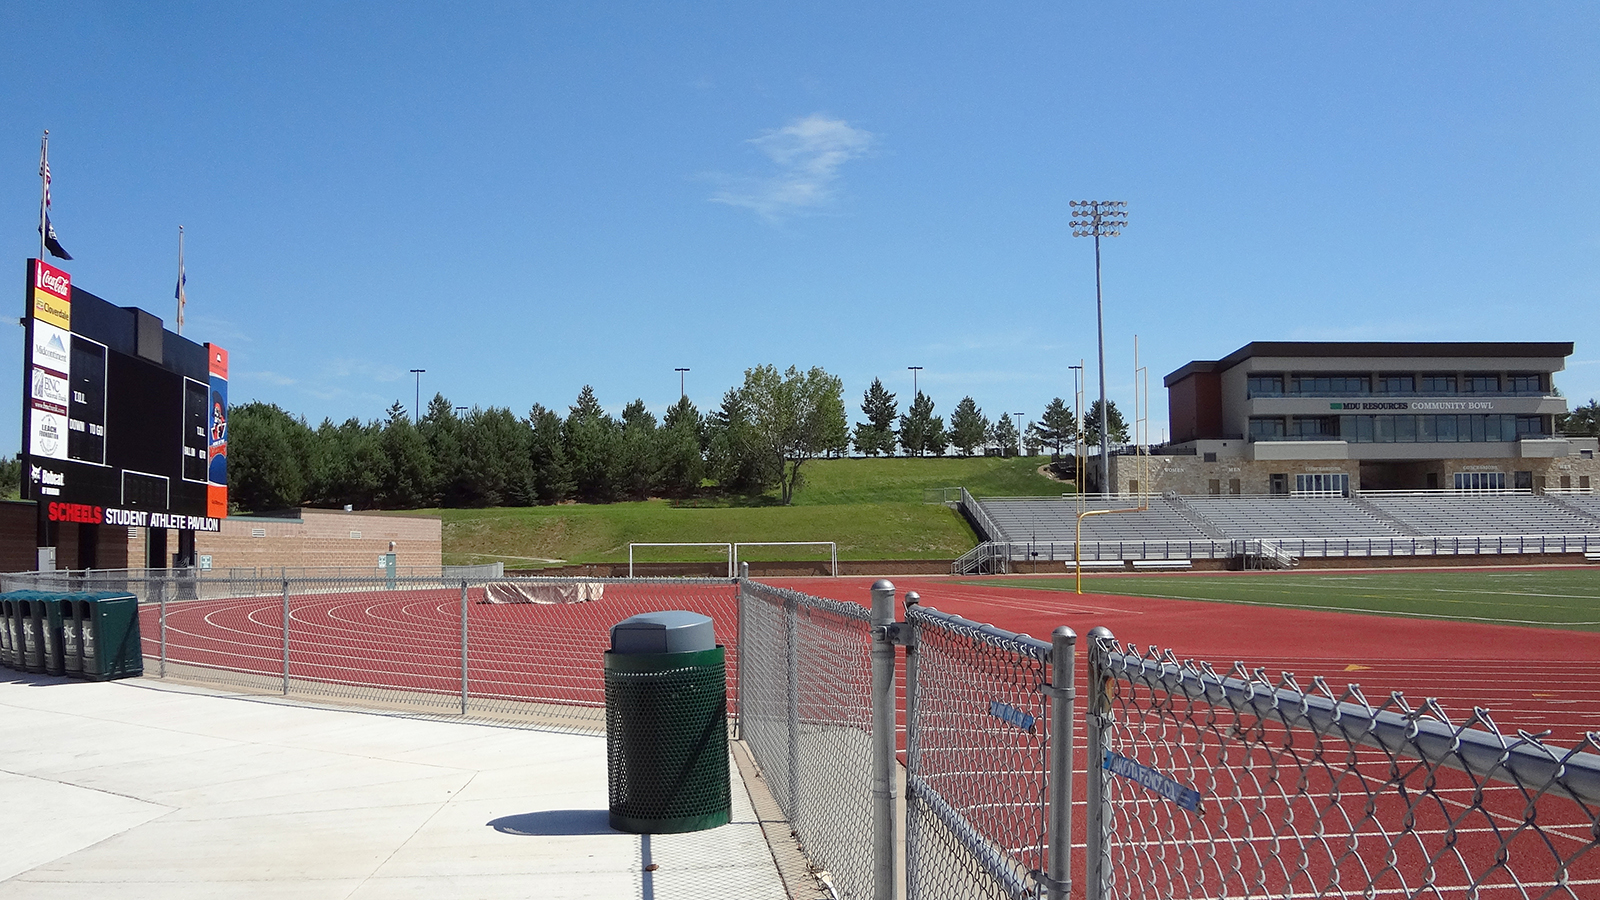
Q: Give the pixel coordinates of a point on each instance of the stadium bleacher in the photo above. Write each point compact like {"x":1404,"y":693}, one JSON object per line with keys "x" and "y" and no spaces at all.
{"x":1290,"y":517}
{"x":1483,"y":514}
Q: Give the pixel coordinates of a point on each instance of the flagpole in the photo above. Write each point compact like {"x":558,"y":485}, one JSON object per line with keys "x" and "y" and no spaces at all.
{"x":180,"y":281}
{"x":44,"y":186}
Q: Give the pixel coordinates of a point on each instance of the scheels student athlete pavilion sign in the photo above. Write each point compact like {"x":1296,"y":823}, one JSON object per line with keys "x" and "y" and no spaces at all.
{"x":125,"y":423}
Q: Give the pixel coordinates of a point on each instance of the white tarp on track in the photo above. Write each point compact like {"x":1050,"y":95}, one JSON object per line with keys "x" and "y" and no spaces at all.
{"x":515,"y":592}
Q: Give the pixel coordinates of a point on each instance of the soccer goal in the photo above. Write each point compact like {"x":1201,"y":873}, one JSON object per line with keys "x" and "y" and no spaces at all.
{"x":833,"y":551}
{"x":726,"y":547}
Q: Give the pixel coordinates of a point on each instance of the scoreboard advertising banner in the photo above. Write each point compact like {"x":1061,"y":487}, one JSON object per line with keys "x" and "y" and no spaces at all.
{"x":125,"y":423}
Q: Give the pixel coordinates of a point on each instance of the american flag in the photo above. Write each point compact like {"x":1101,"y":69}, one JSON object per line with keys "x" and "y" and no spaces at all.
{"x":50,"y":242}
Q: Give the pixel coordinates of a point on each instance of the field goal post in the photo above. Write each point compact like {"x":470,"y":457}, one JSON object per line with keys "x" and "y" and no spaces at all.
{"x":833,"y":551}
{"x":727,"y":548}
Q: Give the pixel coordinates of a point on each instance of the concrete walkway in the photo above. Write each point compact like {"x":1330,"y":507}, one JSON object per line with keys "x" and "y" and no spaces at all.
{"x":140,"y":789}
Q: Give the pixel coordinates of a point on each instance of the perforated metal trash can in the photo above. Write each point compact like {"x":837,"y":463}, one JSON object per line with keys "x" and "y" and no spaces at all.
{"x":667,"y":725}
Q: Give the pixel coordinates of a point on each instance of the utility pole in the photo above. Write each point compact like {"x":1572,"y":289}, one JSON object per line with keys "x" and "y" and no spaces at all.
{"x":416,"y":404}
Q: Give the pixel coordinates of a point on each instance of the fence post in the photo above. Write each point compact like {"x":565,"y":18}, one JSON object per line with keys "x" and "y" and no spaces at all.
{"x":1063,"y":694}
{"x":738,"y":653}
{"x":286,"y":637}
{"x":463,"y":646}
{"x":791,"y":628}
{"x":1097,"y":855}
{"x":883,"y":762}
{"x":163,"y":635}
{"x":913,"y":745}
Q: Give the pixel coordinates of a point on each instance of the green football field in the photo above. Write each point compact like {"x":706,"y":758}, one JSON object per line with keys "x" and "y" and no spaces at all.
{"x":1548,"y":598}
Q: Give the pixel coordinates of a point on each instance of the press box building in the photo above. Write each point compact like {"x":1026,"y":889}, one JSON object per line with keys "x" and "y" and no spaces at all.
{"x":1333,"y":417}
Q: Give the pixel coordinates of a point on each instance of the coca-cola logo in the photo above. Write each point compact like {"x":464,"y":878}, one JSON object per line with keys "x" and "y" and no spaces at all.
{"x":54,"y":280}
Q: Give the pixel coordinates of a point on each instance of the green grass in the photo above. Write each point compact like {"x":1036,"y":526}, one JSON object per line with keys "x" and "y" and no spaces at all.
{"x":872,"y":508}
{"x":1553,"y":598}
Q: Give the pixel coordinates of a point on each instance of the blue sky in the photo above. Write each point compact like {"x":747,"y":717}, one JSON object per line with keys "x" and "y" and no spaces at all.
{"x":523,"y":199}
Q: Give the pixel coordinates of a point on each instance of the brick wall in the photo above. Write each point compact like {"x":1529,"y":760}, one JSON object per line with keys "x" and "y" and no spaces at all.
{"x":310,"y":537}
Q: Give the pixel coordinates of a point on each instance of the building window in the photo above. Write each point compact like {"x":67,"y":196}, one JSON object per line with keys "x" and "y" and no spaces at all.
{"x":1356,"y":429}
{"x":1526,"y":384}
{"x":1438,"y":384}
{"x":1397,"y":384}
{"x":1481,"y":384}
{"x":1522,"y":481}
{"x":1265,"y":385}
{"x":1266,"y":429}
{"x":1480,"y":481}
{"x":1530,"y":426}
{"x":1586,"y":454}
{"x":1333,"y":385}
{"x":1278,"y":483}
{"x":1314,"y":428}
{"x":1211,"y":457}
{"x":1318,"y":483}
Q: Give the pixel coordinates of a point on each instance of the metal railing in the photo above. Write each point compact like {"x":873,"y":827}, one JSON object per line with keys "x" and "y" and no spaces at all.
{"x":980,"y":516}
{"x":1207,"y":785}
{"x":999,"y":557}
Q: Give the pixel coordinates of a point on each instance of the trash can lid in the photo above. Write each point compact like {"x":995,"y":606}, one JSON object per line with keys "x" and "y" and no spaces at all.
{"x":669,"y":631}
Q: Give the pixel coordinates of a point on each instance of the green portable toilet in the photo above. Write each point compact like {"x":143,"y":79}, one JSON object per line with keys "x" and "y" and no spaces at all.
{"x":72,"y":634}
{"x":50,"y":607}
{"x":8,"y":631}
{"x":109,"y":624}
{"x":30,"y":615}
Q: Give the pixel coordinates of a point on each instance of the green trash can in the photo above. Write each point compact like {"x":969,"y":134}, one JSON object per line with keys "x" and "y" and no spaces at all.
{"x":72,"y":635}
{"x":110,"y":635}
{"x":667,"y":725}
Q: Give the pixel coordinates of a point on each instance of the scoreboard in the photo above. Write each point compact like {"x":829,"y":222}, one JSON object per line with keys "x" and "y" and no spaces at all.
{"x":125,"y":423}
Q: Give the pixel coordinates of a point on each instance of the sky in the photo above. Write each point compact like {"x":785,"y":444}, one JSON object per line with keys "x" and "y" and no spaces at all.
{"x":523,"y":199}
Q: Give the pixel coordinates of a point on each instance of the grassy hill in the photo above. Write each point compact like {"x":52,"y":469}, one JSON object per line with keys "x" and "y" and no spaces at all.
{"x":872,"y":508}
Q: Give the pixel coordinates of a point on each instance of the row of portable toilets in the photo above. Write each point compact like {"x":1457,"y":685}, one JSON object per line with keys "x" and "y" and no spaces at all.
{"x":84,"y":635}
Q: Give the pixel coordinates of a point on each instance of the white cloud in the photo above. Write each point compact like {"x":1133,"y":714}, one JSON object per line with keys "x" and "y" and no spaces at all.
{"x":808,"y":154}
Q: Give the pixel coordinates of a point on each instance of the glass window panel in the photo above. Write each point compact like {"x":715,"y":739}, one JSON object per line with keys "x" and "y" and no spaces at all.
{"x":1508,"y":428}
{"x":1446,"y":426}
{"x":1426,"y":433}
{"x":1475,"y":426}
{"x":1439,"y":384}
{"x":1405,"y":429}
{"x":1383,"y":429}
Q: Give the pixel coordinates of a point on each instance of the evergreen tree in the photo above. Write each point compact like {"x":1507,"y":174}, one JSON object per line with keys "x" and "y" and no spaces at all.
{"x":1583,"y":420}
{"x":410,"y":466}
{"x":269,"y":457}
{"x":495,"y":459}
{"x":441,"y":431}
{"x":1056,"y":429}
{"x":10,"y":478}
{"x":547,"y":457}
{"x":592,"y":439}
{"x":968,"y":426}
{"x":682,"y":458}
{"x":638,"y":464}
{"x":1115,"y":427}
{"x":938,"y":439}
{"x":732,"y":458}
{"x":876,"y":435}
{"x":916,"y":426}
{"x":1004,"y":435}
{"x":355,"y":467}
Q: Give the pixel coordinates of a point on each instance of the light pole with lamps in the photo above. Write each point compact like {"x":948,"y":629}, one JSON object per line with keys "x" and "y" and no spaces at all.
{"x":1019,"y":431}
{"x":416,"y":404}
{"x":1098,"y":219}
{"x":680,"y":370}
{"x":914,"y":392}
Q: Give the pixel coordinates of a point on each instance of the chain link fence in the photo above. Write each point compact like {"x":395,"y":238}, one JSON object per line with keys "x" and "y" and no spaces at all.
{"x":805,"y":710}
{"x":1211,"y":785}
{"x":977,"y":754}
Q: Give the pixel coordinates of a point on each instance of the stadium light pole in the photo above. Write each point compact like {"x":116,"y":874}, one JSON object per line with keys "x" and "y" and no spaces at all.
{"x":1019,"y":431}
{"x":914,"y":392}
{"x":1098,"y":219}
{"x":416,"y":404}
{"x":680,"y":370}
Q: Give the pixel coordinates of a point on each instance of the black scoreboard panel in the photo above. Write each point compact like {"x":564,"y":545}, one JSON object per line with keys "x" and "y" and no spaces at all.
{"x":138,"y":417}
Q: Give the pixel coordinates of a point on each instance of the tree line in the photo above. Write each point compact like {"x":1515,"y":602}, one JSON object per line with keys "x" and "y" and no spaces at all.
{"x":756,"y":441}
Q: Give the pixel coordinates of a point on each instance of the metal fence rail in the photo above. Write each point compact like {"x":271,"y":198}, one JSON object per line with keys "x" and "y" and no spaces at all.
{"x":806,"y":713}
{"x":1211,"y":785}
{"x":1005,"y":556}
{"x":978,"y":736}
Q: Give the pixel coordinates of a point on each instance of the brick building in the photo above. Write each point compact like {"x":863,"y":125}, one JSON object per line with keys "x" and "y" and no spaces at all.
{"x":1333,"y":417}
{"x":296,"y":538}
